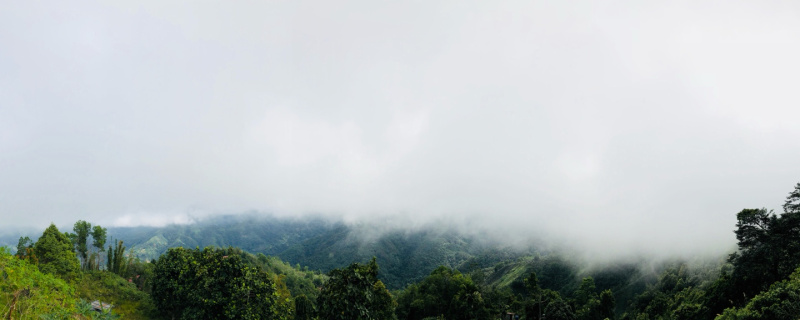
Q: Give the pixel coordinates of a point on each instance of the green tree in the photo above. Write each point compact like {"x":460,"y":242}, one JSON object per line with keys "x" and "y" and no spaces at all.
{"x":24,"y":247}
{"x":792,"y":204}
{"x":536,"y":307}
{"x":214,"y":284}
{"x":55,"y":255}
{"x":587,"y":302}
{"x":118,"y":262}
{"x":780,"y":302}
{"x":533,"y":308}
{"x":769,"y":250}
{"x":99,"y":242}
{"x":82,"y":230}
{"x":445,"y":292}
{"x":559,"y":310}
{"x":355,"y":293}
{"x":303,"y":308}
{"x":607,"y":304}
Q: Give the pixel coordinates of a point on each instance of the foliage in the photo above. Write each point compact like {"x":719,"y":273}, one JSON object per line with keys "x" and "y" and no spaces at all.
{"x":54,"y":253}
{"x":123,"y":295}
{"x":780,"y":302}
{"x":25,"y":249}
{"x":676,"y":295}
{"x":26,"y":293}
{"x":298,"y":281}
{"x":80,"y":241}
{"x":607,"y":305}
{"x":118,"y":262}
{"x":769,"y":249}
{"x":446,"y":293}
{"x":303,"y":308}
{"x":99,"y":235}
{"x":405,"y":257}
{"x":355,"y":293}
{"x":214,"y":284}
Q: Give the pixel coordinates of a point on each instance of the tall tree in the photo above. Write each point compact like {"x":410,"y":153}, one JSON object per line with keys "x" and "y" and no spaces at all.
{"x":82,"y":230}
{"x":780,"y":302}
{"x":117,"y":262}
{"x":587,"y":302}
{"x":99,"y":241}
{"x":792,"y":203}
{"x":607,"y":304}
{"x":55,"y":255}
{"x":355,"y":293}
{"x":769,"y":250}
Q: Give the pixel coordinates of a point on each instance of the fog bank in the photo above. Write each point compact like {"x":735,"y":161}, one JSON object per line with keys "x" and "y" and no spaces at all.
{"x":615,"y":128}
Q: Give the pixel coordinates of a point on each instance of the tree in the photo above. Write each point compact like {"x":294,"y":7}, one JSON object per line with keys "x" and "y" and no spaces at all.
{"x":769,"y":249}
{"x":792,"y":204}
{"x":99,"y":242}
{"x":587,"y":302}
{"x":55,"y":255}
{"x":117,"y":263}
{"x":24,"y":248}
{"x":445,"y":292}
{"x":780,"y":302}
{"x":586,"y":292}
{"x":214,"y":284}
{"x":355,"y":293}
{"x":82,"y":230}
{"x":303,"y":308}
{"x":607,"y":304}
{"x":533,"y":307}
{"x":559,"y":310}
{"x":536,"y":308}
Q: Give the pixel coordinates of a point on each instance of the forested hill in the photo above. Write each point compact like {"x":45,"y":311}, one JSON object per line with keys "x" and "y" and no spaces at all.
{"x":404,"y":257}
{"x":250,"y":232}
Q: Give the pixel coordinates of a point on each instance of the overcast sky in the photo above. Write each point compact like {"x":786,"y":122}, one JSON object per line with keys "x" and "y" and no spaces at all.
{"x":633,"y":124}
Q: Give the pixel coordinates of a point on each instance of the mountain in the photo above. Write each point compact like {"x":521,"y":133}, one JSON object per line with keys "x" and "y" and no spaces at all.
{"x":404,"y":256}
{"x":252,"y":233}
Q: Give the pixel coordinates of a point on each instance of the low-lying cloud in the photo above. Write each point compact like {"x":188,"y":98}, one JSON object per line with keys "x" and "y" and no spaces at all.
{"x":612,"y":127}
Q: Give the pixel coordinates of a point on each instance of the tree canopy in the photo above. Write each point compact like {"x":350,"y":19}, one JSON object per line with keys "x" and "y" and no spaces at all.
{"x":355,"y":293}
{"x":54,"y":252}
{"x":214,"y":284}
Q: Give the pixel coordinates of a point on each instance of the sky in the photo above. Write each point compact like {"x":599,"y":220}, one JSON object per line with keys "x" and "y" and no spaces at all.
{"x":633,"y":125}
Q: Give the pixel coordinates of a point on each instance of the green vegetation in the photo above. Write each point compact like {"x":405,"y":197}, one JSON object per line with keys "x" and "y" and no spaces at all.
{"x":56,"y":277}
{"x":355,"y":293}
{"x":444,"y":293}
{"x":300,"y":282}
{"x":215,"y":284}
{"x":53,"y":252}
{"x":755,"y":283}
{"x":127,"y":300}
{"x":26,"y":293}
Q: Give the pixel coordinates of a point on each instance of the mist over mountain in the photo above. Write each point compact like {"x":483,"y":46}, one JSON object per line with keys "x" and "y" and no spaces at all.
{"x":611,"y":128}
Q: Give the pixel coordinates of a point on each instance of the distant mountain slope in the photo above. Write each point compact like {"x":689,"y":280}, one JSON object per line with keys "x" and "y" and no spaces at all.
{"x":252,"y":233}
{"x":404,"y":257}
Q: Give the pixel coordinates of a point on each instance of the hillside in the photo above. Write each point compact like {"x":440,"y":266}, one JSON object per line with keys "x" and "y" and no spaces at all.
{"x":404,"y":257}
{"x":256,"y":234}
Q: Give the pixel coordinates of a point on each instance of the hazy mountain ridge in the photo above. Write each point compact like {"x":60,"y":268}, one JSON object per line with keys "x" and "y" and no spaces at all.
{"x":269,"y":236}
{"x":404,"y":256}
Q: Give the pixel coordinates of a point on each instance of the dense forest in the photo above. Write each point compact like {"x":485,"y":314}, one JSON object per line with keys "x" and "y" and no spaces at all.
{"x":238,"y":270}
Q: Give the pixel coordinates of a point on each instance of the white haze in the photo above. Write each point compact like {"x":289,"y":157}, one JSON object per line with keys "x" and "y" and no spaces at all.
{"x":615,"y":127}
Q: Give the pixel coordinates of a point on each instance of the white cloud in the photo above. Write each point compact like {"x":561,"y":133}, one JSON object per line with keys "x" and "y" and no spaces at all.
{"x":597,"y":123}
